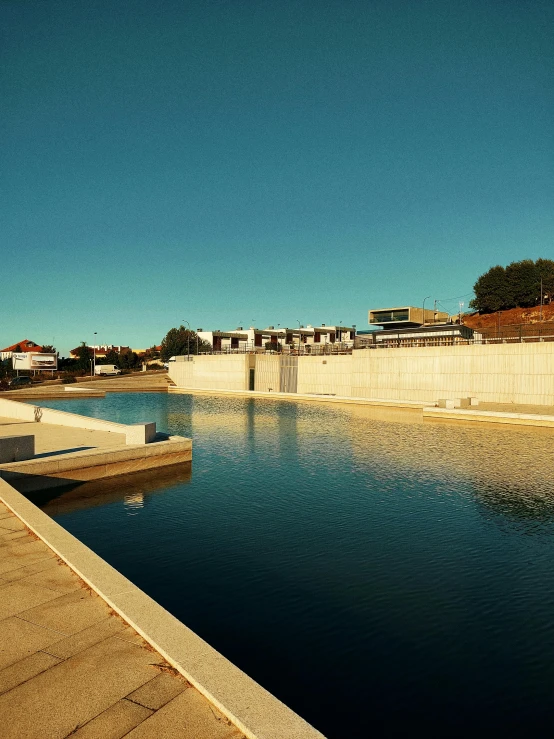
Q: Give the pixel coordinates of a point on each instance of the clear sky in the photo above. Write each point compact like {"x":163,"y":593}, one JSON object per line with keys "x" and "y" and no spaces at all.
{"x":265,"y":161}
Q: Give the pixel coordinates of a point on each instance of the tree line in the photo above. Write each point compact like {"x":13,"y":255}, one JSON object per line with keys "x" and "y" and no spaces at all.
{"x":179,"y":341}
{"x":516,"y":286}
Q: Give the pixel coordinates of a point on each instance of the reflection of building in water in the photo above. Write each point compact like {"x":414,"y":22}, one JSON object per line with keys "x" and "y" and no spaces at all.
{"x":133,"y":501}
{"x":133,"y":490}
{"x":507,"y":470}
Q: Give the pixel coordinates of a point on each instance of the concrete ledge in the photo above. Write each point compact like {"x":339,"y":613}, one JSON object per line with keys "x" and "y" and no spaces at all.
{"x":138,"y":433}
{"x":16,"y":448}
{"x":520,"y":419}
{"x":86,"y":391}
{"x":94,"y":464}
{"x":305,"y":396}
{"x":257,"y":713}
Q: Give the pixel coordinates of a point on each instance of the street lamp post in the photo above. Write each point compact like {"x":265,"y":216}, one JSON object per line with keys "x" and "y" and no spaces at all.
{"x":424,"y":299}
{"x":299,"y":336}
{"x":188,"y":338}
{"x":94,"y":353}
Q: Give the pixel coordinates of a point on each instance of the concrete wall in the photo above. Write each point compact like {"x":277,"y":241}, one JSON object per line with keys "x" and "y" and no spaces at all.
{"x":212,"y":372}
{"x":325,"y":375}
{"x":499,"y":373}
{"x":267,"y":372}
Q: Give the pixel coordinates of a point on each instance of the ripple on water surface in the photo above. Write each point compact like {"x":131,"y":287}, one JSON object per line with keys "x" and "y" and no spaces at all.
{"x":375,"y":572}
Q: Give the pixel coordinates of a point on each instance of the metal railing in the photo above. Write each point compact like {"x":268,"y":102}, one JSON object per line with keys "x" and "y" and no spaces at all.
{"x":286,"y":349}
{"x":406,"y":343}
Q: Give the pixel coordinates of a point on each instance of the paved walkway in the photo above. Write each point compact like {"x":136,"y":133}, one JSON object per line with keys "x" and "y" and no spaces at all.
{"x":70,"y":667}
{"x":540,"y":410}
{"x":51,"y":439}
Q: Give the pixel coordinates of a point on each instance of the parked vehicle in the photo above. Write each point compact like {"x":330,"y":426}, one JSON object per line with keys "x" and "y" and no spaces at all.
{"x":166,"y":364}
{"x":106,"y":369}
{"x":20,"y":381}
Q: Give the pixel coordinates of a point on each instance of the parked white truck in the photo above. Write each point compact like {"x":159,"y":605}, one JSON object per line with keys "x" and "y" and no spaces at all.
{"x":106,"y":369}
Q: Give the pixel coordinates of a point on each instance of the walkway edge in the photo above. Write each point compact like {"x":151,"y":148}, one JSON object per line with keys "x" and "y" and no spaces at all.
{"x":255,"y":711}
{"x":343,"y":399}
{"x":518,"y":419}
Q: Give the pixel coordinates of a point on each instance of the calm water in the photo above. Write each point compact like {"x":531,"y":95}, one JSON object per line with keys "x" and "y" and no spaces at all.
{"x":374,"y":572}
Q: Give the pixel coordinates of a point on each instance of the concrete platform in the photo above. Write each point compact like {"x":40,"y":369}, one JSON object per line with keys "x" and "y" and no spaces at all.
{"x":482,"y":416}
{"x":51,"y":439}
{"x":68,"y":454}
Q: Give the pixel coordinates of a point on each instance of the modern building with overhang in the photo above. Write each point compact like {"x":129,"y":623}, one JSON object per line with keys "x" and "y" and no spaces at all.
{"x":406,"y":317}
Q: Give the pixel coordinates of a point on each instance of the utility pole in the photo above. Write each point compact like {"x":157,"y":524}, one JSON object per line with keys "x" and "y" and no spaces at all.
{"x":188,"y":339}
{"x":541,"y":302}
{"x":424,"y":299}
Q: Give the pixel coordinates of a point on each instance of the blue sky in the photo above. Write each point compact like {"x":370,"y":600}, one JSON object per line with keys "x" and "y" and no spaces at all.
{"x":231,"y":162}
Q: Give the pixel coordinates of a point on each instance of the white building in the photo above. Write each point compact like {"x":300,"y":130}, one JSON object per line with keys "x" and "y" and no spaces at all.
{"x":258,"y":339}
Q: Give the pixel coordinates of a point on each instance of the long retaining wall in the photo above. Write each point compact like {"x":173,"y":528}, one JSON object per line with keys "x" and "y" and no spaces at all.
{"x":499,"y":373}
{"x":136,"y":433}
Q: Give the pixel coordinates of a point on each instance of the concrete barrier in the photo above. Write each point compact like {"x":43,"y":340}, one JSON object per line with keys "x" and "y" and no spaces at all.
{"x":94,"y":464}
{"x":16,"y":448}
{"x":137,"y":433}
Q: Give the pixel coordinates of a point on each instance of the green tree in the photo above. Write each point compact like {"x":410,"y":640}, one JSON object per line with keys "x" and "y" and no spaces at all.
{"x":490,"y":291}
{"x":6,"y":369}
{"x":48,"y":349}
{"x":127,"y":360}
{"x":112,"y":357}
{"x":521,"y":284}
{"x":84,"y":358}
{"x":179,"y":341}
{"x":516,"y":286}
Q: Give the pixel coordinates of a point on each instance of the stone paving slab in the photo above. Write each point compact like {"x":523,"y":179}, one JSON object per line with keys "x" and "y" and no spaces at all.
{"x":50,"y":438}
{"x":69,"y":666}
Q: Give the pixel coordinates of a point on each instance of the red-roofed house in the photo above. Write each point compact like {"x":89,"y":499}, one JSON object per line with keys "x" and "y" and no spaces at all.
{"x":23,"y":346}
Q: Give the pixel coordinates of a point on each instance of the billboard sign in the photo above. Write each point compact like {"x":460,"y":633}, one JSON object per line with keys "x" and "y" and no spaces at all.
{"x":34,"y":361}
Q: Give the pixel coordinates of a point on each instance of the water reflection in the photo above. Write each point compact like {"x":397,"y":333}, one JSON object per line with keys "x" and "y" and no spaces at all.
{"x":134,"y":490}
{"x":411,"y":560}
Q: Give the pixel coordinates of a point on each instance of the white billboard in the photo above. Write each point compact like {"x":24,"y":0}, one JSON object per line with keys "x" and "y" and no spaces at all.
{"x":34,"y":361}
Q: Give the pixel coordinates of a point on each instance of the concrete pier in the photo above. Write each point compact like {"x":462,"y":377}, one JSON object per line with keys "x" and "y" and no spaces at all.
{"x":67,"y":454}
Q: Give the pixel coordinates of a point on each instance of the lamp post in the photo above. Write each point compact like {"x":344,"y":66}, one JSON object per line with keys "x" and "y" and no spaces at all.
{"x":299,"y":336}
{"x":188,"y":338}
{"x":94,"y":353}
{"x":424,"y":299}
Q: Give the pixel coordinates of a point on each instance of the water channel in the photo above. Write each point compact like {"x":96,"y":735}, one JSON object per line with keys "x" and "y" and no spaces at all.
{"x":373,"y":571}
